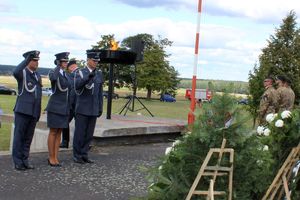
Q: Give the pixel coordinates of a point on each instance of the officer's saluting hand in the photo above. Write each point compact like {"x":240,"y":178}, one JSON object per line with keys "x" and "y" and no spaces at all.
{"x":92,"y":74}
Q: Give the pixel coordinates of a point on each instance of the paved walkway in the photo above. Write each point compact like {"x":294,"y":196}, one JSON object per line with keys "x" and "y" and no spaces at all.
{"x":115,"y":175}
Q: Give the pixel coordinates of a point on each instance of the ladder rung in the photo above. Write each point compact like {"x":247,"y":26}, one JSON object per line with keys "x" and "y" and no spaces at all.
{"x":217,"y":168}
{"x":201,"y":192}
{"x":212,"y":174}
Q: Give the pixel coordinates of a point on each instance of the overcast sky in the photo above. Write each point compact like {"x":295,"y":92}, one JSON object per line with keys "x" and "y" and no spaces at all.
{"x":233,"y":32}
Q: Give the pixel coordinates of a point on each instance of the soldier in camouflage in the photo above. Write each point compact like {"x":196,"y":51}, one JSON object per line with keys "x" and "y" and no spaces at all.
{"x":268,"y":102}
{"x":286,"y":95}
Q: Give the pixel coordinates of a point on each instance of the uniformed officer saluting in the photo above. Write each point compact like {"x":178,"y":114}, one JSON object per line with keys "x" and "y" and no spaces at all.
{"x":58,"y":107}
{"x":88,"y":84}
{"x":27,"y":109}
{"x":268,"y":102}
{"x":72,"y":69}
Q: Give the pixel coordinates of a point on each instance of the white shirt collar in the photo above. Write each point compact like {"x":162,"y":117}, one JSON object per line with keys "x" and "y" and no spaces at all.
{"x":61,"y":71}
{"x":30,"y":70}
{"x":89,"y":68}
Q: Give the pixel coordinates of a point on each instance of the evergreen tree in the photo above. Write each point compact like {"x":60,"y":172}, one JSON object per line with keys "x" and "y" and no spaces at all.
{"x":280,"y":56}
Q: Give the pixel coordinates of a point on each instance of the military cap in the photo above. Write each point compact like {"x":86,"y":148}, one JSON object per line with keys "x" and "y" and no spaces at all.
{"x":71,"y":62}
{"x":288,"y":81}
{"x":35,"y":54}
{"x":281,"y":78}
{"x":93,"y":54}
{"x":63,"y":56}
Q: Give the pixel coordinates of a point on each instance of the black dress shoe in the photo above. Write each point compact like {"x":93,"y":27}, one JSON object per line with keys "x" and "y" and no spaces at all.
{"x":78,"y":160}
{"x":28,"y":166}
{"x":64,"y":144}
{"x":20,"y":167}
{"x":87,"y":160}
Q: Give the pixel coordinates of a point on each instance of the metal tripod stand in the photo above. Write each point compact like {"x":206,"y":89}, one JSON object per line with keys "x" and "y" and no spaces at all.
{"x":129,"y":105}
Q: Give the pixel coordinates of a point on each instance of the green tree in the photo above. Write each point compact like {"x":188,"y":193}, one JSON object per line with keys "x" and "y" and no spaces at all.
{"x":154,"y":73}
{"x":280,"y":56}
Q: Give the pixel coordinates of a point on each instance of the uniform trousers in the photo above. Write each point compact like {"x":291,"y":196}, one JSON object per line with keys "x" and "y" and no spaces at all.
{"x":83,"y":135}
{"x":23,"y":134}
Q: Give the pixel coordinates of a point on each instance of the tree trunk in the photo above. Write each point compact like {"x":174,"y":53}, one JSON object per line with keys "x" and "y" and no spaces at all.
{"x":149,"y":92}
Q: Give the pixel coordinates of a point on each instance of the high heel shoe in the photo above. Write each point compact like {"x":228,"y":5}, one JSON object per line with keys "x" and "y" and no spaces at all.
{"x":52,"y":165}
{"x":58,"y":165}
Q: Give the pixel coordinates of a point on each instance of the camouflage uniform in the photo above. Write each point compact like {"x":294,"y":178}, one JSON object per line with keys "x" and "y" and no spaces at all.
{"x":268,"y":103}
{"x":286,"y":98}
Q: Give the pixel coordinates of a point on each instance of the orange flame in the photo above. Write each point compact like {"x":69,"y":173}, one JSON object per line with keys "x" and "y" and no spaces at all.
{"x":114,"y":45}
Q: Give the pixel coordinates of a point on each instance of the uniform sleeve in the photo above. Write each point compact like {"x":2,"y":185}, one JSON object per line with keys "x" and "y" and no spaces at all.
{"x":53,"y":74}
{"x":80,"y":79}
{"x":18,"y":72}
{"x":101,"y":94}
{"x":275,"y":100}
{"x":264,"y":104}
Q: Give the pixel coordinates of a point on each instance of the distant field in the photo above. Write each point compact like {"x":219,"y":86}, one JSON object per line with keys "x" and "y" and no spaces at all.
{"x":239,"y":87}
{"x":11,"y":82}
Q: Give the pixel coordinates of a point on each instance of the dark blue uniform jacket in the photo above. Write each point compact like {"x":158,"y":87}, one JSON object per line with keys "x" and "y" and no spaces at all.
{"x":29,"y":91}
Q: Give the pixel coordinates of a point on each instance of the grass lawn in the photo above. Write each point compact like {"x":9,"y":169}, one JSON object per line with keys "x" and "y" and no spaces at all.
{"x":5,"y":136}
{"x":177,"y":110}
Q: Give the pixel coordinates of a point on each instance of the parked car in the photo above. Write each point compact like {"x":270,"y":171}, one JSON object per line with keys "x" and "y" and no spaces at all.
{"x":167,"y":98}
{"x":47,"y":91}
{"x":243,"y":102}
{"x":6,"y":90}
{"x":114,"y":95}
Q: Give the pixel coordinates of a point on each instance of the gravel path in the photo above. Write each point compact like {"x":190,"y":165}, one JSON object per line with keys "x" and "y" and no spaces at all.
{"x":115,"y":175}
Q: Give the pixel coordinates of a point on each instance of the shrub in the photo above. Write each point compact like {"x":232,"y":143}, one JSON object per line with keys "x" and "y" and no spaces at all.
{"x":176,"y":171}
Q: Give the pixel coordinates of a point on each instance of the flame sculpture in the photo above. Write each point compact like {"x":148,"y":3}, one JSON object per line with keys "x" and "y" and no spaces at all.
{"x":114,"y":45}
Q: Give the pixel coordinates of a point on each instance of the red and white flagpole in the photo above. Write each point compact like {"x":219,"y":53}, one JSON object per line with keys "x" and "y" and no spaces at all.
{"x":191,"y":116}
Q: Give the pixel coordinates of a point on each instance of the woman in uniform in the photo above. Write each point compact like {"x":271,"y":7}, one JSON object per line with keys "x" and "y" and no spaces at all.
{"x":58,"y":107}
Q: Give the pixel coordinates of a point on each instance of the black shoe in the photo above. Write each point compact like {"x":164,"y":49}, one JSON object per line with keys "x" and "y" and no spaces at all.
{"x":64,"y":144}
{"x":58,"y":165}
{"x":87,"y":160}
{"x":20,"y":167}
{"x":28,"y":166}
{"x":78,"y":160}
{"x":52,"y":165}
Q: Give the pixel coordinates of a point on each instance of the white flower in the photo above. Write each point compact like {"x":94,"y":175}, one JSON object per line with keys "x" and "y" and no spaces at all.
{"x":259,"y":162}
{"x":266,"y":148}
{"x":168,"y":150}
{"x":279,"y":123}
{"x":286,"y":114}
{"x":260,"y":130}
{"x":176,"y":143}
{"x":270,"y":117}
{"x":160,"y":167}
{"x":267,"y":132}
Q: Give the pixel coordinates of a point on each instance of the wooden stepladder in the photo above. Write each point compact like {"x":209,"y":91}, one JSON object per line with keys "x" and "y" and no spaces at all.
{"x":213,"y":172}
{"x":279,"y":186}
